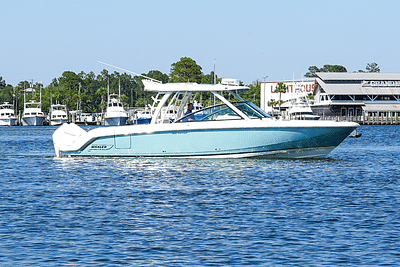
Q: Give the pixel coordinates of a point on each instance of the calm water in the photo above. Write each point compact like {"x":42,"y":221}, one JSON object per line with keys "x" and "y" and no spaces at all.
{"x":342,"y":210}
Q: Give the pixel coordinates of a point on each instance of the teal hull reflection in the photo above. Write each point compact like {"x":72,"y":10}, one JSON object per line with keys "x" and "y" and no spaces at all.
{"x":296,"y":142}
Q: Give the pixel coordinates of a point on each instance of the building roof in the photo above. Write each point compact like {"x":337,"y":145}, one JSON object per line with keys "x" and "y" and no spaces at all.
{"x":344,"y":83}
{"x":360,"y":76}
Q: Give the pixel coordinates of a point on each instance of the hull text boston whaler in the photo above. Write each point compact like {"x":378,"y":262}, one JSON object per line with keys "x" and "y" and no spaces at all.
{"x":231,"y":129}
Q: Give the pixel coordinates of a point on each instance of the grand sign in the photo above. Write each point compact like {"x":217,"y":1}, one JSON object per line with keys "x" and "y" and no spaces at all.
{"x":381,"y":83}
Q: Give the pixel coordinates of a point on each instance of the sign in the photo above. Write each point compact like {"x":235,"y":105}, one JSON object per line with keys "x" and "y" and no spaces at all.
{"x":295,"y":87}
{"x":381,"y":83}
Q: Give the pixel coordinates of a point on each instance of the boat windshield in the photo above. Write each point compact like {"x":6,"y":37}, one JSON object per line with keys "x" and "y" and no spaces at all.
{"x":224,"y":112}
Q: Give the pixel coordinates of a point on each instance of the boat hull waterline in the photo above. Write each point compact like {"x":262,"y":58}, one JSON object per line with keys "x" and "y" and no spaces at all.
{"x":8,"y":122}
{"x":280,"y":141}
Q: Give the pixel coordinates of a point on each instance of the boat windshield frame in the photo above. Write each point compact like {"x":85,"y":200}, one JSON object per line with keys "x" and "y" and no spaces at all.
{"x":222,"y":112}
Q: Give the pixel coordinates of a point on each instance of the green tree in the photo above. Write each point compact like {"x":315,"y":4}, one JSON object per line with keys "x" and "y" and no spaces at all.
{"x":280,"y":88}
{"x":253,"y":94}
{"x":158,"y":75}
{"x":373,"y":67}
{"x":333,"y":68}
{"x":185,"y":70}
{"x":140,"y":102}
{"x":6,"y":92}
{"x":312,"y":70}
{"x":209,"y":78}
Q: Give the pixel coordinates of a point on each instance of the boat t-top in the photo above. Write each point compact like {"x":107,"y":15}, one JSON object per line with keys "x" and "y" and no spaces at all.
{"x":7,"y":115}
{"x":229,"y":129}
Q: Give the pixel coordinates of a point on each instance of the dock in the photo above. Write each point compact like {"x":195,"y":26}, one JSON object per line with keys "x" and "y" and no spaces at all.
{"x":367,"y":120}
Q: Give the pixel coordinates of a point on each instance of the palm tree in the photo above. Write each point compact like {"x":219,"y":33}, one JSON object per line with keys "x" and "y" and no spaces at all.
{"x":280,"y":88}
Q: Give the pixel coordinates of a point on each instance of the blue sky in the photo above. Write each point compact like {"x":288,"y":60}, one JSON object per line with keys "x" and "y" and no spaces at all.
{"x":249,"y":39}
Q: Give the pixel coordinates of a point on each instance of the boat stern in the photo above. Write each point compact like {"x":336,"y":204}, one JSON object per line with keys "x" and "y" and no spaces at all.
{"x":66,"y":135}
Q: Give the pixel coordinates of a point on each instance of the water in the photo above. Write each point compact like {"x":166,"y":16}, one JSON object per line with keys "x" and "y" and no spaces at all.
{"x":342,"y":210}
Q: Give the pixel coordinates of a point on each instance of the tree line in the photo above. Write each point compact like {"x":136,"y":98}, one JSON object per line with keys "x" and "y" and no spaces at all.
{"x":312,"y":70}
{"x":88,"y":91}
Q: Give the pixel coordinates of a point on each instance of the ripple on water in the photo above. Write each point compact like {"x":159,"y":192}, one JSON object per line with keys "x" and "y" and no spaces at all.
{"x":342,"y":210}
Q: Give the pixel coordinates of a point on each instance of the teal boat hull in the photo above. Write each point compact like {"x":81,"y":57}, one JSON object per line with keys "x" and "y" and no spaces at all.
{"x":296,"y":142}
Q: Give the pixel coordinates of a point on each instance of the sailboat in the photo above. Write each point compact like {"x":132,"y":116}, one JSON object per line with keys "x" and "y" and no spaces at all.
{"x":33,"y":115}
{"x":115,"y":114}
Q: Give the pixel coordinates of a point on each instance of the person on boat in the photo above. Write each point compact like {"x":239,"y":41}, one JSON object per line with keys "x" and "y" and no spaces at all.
{"x":188,"y":112}
{"x":189,"y":109}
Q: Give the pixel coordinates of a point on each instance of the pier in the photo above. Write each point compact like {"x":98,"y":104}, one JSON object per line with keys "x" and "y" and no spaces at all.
{"x":367,"y":120}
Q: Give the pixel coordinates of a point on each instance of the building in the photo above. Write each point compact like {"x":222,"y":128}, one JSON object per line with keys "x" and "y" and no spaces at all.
{"x":357,"y":94}
{"x":294,"y":89}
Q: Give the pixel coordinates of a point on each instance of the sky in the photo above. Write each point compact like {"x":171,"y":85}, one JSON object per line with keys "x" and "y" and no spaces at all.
{"x":248,"y":40}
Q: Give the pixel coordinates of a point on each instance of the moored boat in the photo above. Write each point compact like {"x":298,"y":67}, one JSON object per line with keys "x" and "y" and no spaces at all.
{"x":58,"y":114}
{"x":33,"y":115}
{"x":299,"y":109}
{"x":7,"y":115}
{"x":115,"y":114}
{"x":142,"y":116}
{"x":227,"y":130}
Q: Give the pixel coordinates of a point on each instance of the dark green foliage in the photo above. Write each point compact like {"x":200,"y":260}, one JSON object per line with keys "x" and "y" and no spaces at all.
{"x":185,"y":70}
{"x":312,"y":70}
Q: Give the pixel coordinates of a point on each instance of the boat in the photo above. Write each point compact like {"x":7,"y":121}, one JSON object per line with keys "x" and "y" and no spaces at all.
{"x":142,"y":116}
{"x":33,"y":115}
{"x":7,"y":115}
{"x":115,"y":114}
{"x":58,"y":114}
{"x":299,"y":109}
{"x":82,"y":118}
{"x":229,"y":129}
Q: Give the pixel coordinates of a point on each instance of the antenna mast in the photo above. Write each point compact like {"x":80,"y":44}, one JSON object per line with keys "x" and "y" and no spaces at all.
{"x":137,"y":74}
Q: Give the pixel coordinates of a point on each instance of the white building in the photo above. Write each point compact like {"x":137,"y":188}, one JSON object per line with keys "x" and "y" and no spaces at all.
{"x":357,"y":94}
{"x":294,"y":89}
{"x":343,"y":93}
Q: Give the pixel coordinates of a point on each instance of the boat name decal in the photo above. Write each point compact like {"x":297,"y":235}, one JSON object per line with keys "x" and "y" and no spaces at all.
{"x":100,"y":147}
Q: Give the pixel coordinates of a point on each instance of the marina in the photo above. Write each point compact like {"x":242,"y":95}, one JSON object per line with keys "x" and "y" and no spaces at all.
{"x":240,"y":138}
